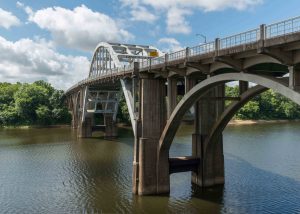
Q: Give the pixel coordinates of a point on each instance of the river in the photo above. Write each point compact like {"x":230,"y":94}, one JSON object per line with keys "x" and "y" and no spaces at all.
{"x":50,"y":171}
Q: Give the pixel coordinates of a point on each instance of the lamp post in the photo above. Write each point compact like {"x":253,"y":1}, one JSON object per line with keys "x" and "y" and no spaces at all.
{"x":201,"y":35}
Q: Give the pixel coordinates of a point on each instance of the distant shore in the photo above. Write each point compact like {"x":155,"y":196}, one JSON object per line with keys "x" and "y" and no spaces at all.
{"x":35,"y":126}
{"x":252,"y":122}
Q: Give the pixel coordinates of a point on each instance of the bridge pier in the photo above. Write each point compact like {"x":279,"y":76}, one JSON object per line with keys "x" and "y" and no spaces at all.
{"x":294,"y":79}
{"x":85,"y":128}
{"x":211,"y":168}
{"x":152,"y":121}
{"x":172,"y":94}
{"x":110,"y":126}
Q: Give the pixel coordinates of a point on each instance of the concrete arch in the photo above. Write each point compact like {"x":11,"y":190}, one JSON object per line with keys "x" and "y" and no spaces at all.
{"x":230,"y":111}
{"x":277,"y":84}
{"x":260,"y":59}
{"x":218,"y":66}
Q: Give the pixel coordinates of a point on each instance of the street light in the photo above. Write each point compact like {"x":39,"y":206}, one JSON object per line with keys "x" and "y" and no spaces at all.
{"x":204,"y":37}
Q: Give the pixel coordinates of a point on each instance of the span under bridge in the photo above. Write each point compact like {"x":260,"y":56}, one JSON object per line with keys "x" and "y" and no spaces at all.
{"x":268,"y":56}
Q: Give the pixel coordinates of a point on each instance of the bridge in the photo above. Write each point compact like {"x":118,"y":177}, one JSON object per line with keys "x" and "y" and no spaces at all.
{"x":268,"y":56}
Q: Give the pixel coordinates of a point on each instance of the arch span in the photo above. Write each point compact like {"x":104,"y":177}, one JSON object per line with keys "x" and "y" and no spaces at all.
{"x":277,"y":84}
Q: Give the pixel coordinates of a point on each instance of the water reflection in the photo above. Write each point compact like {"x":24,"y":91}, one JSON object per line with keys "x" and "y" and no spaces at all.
{"x":51,"y":171}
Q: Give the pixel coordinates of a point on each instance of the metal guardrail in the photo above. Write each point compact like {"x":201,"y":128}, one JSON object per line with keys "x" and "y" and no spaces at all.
{"x":202,"y":49}
{"x":266,"y":31}
{"x":158,"y":60}
{"x":145,"y":63}
{"x":240,"y":39}
{"x":283,"y":28}
{"x":177,"y":55}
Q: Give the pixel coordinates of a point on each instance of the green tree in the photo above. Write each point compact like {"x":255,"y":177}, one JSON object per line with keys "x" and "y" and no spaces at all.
{"x":44,"y":115}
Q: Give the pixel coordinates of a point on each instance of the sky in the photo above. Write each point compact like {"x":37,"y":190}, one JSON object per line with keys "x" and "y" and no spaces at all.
{"x":54,"y":40}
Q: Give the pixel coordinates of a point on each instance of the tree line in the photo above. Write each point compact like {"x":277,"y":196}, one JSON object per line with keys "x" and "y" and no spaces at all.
{"x":266,"y":106}
{"x":32,"y":104}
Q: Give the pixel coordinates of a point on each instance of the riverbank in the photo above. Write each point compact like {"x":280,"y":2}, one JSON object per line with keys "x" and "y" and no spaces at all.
{"x":231,"y":123}
{"x":35,"y":126}
{"x":124,"y":125}
{"x":253,"y":122}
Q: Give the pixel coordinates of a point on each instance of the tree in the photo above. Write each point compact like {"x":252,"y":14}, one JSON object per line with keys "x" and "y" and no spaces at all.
{"x":30,"y":104}
{"x":44,"y":115}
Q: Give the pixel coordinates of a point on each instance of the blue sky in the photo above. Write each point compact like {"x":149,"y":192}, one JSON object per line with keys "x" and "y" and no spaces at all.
{"x":54,"y":40}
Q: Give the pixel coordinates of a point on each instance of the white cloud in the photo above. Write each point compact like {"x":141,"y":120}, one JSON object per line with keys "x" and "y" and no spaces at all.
{"x":7,"y":19}
{"x":169,"y":44}
{"x":142,"y":14}
{"x":80,"y":28}
{"x":205,"y":5}
{"x":176,"y":22}
{"x":177,"y":10}
{"x":29,"y":60}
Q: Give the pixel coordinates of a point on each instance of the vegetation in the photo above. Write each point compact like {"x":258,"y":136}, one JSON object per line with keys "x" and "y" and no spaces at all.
{"x":266,"y":106}
{"x":32,"y":104}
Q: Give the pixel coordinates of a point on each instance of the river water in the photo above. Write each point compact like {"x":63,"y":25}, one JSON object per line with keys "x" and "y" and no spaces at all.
{"x":50,"y":171}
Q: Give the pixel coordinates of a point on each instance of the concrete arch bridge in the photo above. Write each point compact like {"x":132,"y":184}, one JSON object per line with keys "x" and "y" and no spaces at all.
{"x":268,"y":56}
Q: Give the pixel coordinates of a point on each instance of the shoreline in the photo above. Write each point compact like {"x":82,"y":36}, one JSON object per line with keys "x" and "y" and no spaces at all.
{"x":124,"y":125}
{"x":254,"y":122}
{"x":34,"y":126}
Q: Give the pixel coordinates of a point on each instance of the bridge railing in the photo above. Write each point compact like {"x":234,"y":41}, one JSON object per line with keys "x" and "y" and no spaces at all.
{"x":145,"y":63}
{"x":158,"y":60}
{"x":240,"y":39}
{"x":283,"y":28}
{"x":202,"y":49}
{"x":177,"y":55}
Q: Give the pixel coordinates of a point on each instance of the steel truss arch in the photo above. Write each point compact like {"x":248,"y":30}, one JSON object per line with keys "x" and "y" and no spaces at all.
{"x":109,"y":56}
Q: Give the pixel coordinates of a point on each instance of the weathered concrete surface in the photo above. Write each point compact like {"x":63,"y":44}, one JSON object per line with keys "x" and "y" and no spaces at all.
{"x":153,"y":119}
{"x":211,"y":167}
{"x":172,"y":94}
{"x":110,"y":127}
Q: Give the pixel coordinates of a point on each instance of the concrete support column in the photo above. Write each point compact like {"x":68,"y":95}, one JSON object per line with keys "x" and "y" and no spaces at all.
{"x":211,"y":168}
{"x":110,"y":126}
{"x":294,"y":79}
{"x":85,"y":129}
{"x":84,"y":122}
{"x":172,"y":95}
{"x":152,"y":123}
{"x":74,"y":110}
{"x":189,"y":83}
{"x":243,"y":86}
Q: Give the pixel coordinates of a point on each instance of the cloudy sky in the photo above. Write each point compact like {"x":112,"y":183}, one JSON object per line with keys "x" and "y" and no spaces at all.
{"x":54,"y":40}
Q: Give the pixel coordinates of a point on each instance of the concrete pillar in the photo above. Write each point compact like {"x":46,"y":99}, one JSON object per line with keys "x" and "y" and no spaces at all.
{"x":85,"y":128}
{"x":152,"y":123}
{"x":84,"y":121}
{"x":110,"y":126}
{"x":172,"y":95}
{"x":211,"y":168}
{"x":294,"y":79}
{"x":243,"y":86}
{"x":189,"y":83}
{"x":74,"y":110}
